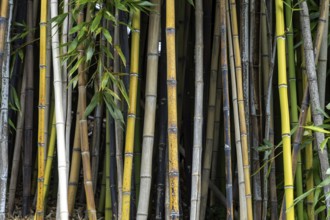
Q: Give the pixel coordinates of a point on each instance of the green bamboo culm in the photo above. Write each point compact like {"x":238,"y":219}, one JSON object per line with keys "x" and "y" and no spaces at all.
{"x":293,"y":98}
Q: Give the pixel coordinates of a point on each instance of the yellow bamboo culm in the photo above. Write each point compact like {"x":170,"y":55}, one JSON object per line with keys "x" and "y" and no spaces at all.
{"x":41,"y":110}
{"x":284,"y":105}
{"x":173,"y":164}
{"x":130,"y":129}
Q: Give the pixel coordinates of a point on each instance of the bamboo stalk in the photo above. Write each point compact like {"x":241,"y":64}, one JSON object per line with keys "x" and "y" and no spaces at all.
{"x":210,"y":113}
{"x":60,"y":128}
{"x":309,"y":171}
{"x":114,"y":202}
{"x":226,"y":109}
{"x":293,"y":94}
{"x":17,"y":148}
{"x":198,"y":117}
{"x":150,"y":111}
{"x":108,"y":206}
{"x":19,"y":125}
{"x":245,"y":51}
{"x":5,"y":31}
{"x":322,"y":25}
{"x":241,"y":182}
{"x":172,"y":120}
{"x":118,"y":129}
{"x":162,"y":139}
{"x":41,"y":110}
{"x":241,"y":107}
{"x":50,"y":156}
{"x":28,"y":124}
{"x":75,"y":165}
{"x":285,"y":119}
{"x":314,"y":94}
{"x":255,"y":108}
{"x":129,"y":143}
{"x":268,"y":101}
{"x":323,"y":57}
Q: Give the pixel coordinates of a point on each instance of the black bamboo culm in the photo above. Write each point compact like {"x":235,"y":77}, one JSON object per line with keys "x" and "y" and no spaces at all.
{"x":162,"y":140}
{"x":113,"y":170}
{"x":28,"y":125}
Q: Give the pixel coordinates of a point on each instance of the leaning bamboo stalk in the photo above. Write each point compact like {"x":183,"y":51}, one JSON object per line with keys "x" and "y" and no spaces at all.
{"x":210,"y":113}
{"x":198,"y":117}
{"x":17,"y":148}
{"x":173,"y":156}
{"x":242,"y":200}
{"x":285,"y":119}
{"x":226,"y":108}
{"x":5,"y":31}
{"x":118,"y":129}
{"x":41,"y":110}
{"x":314,"y":94}
{"x":130,"y":129}
{"x":60,"y":128}
{"x":240,"y":97}
{"x":150,"y":111}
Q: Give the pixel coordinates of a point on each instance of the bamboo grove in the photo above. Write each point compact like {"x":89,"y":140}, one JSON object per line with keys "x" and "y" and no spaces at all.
{"x":164,"y":109}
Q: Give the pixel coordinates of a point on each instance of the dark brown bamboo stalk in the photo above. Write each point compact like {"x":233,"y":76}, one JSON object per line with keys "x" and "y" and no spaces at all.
{"x":28,"y":125}
{"x":226,"y":109}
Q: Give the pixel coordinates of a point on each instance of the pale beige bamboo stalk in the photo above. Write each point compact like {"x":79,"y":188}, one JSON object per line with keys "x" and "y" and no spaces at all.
{"x":150,"y":111}
{"x":198,"y":117}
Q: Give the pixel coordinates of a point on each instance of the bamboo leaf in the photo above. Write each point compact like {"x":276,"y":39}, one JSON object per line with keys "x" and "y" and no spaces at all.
{"x":317,"y":129}
{"x":90,"y":52}
{"x":95,"y":100}
{"x":324,"y":142}
{"x":76,"y":28}
{"x":323,"y":113}
{"x":120,"y":53}
{"x":96,"y":22}
{"x":73,"y":45}
{"x":328,"y":106}
{"x":107,"y":35}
